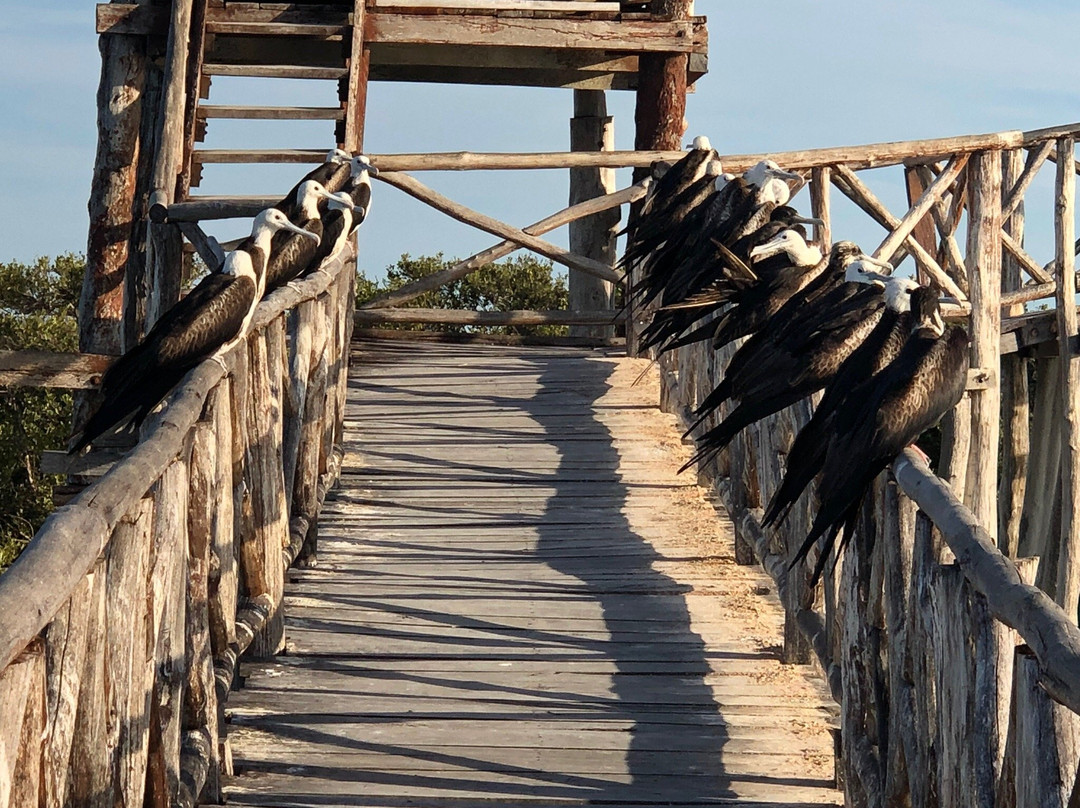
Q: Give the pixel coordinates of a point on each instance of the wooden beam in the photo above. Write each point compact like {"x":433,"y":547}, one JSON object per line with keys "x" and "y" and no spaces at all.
{"x":932,"y":194}
{"x":193,"y":78}
{"x":1068,"y":579}
{"x":271,"y":113}
{"x":420,"y":191}
{"x":112,"y":190}
{"x":1035,"y":159}
{"x":821,"y":206}
{"x":591,"y":129}
{"x":366,"y":317}
{"x":854,"y":189}
{"x":591,"y":6}
{"x":480,"y":259}
{"x":64,"y":371}
{"x":207,"y":247}
{"x":163,"y":265}
{"x":1027,"y":263}
{"x":357,"y":88}
{"x":275,"y":72}
{"x":984,"y":281}
{"x":1042,"y":624}
{"x":629,"y":36}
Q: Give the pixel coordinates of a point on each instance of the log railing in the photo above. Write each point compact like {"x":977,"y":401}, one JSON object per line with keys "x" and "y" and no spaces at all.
{"x":125,"y":616}
{"x":948,"y":632}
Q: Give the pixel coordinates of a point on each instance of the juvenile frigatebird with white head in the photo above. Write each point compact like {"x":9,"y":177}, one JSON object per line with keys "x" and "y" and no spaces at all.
{"x":204,"y":324}
{"x":291,"y":253}
{"x":359,"y":187}
{"x":337,"y":226}
{"x":331,"y":175}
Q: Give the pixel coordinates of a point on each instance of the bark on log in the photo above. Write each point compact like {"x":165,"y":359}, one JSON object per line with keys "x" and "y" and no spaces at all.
{"x":1015,"y":408}
{"x":1041,"y":623}
{"x":1068,"y":568}
{"x":591,"y":129}
{"x":984,"y":282}
{"x":112,"y":194}
{"x":1047,"y":741}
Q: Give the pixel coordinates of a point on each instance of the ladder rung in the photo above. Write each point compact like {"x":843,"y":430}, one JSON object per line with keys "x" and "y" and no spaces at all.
{"x":325,"y":32}
{"x":272,"y":113}
{"x":275,"y":71}
{"x":205,"y":156}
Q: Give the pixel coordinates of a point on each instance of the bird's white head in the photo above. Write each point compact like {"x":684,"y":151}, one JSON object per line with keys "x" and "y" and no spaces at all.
{"x":339,"y":156}
{"x":861,"y":271}
{"x":765,"y":170}
{"x":701,"y":143}
{"x":898,"y":293}
{"x":788,"y":241}
{"x":361,"y":164}
{"x":308,"y":195}
{"x":723,"y":180}
{"x":714,"y":168}
{"x":271,"y":220}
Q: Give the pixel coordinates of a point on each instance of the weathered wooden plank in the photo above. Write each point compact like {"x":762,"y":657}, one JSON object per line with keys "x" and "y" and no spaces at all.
{"x":21,"y":698}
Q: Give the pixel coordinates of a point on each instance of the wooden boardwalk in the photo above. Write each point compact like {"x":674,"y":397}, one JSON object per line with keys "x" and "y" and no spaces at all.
{"x":518,"y":602}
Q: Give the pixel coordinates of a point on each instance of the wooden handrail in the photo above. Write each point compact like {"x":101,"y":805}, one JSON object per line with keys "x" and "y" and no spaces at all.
{"x":72,"y":538}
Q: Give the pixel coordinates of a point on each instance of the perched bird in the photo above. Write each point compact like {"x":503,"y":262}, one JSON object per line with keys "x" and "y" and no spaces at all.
{"x":802,"y":359}
{"x":290,"y":252}
{"x":882,"y":416}
{"x":331,"y":175}
{"x":904,"y":299}
{"x":337,"y":226}
{"x":681,"y":175}
{"x":208,"y":321}
{"x":359,"y":188}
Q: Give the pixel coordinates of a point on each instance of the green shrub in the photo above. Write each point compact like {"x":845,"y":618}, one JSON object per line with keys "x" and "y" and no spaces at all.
{"x":37,"y":310}
{"x":522,"y":282}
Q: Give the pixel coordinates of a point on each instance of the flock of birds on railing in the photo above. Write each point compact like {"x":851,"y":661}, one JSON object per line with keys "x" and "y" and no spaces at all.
{"x":288,"y":241}
{"x":724,"y":257}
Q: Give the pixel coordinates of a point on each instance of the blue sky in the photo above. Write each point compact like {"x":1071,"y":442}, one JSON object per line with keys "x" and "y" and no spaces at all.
{"x":784,"y":75}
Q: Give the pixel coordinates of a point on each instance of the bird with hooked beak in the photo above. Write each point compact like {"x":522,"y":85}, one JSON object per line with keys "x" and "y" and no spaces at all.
{"x":204,"y":324}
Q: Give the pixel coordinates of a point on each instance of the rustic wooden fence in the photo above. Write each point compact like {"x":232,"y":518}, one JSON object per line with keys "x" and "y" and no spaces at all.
{"x":125,"y":616}
{"x":958,"y":682}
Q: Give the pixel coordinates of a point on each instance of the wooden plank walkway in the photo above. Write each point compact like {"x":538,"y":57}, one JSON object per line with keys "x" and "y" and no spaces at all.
{"x":518,"y":602}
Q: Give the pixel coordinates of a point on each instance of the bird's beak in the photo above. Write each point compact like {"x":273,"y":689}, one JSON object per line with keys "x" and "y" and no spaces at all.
{"x":765,"y":250}
{"x":788,"y":176}
{"x":373,"y":171}
{"x":344,"y":199}
{"x":875,"y":277}
{"x":879,"y":263}
{"x":299,"y":230}
{"x":808,"y":220}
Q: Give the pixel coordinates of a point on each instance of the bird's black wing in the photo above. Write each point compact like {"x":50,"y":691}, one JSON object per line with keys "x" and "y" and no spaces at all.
{"x":291,"y":256}
{"x":209,"y":316}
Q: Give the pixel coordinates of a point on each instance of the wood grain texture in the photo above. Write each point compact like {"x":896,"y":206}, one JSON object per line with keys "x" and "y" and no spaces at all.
{"x":501,"y":660}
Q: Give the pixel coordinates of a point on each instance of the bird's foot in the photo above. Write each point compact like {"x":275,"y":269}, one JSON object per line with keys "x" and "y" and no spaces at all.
{"x":925,"y":457}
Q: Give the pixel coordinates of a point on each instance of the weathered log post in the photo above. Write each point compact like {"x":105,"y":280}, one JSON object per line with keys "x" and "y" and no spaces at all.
{"x":112,"y":192}
{"x":592,"y":129}
{"x":1068,"y":572}
{"x":165,"y":255}
{"x":354,"y":94}
{"x":1015,"y":438}
{"x":660,"y":108}
{"x":1047,"y":741}
{"x":984,"y":280}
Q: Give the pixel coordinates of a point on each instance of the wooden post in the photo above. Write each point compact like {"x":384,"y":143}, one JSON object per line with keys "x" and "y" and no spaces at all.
{"x":924,"y":230}
{"x":355,"y":95}
{"x":164,"y":256}
{"x":112,"y":192}
{"x":591,"y":129}
{"x":1068,"y":594}
{"x":1047,"y":741}
{"x":1015,"y":408}
{"x":661,"y":95}
{"x":821,"y":206}
{"x":984,"y":279}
